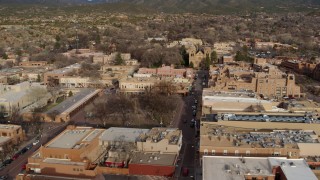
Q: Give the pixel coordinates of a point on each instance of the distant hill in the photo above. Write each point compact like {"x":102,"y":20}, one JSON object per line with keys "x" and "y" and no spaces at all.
{"x":195,"y":6}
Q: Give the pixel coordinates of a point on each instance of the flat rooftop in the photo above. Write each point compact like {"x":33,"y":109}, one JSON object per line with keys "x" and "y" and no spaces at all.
{"x":122,"y":134}
{"x":74,"y":101}
{"x":236,"y":168}
{"x":309,"y":149}
{"x":227,"y":168}
{"x":66,"y":69}
{"x":255,"y":138}
{"x":294,"y":169}
{"x":265,"y":125}
{"x":153,"y":158}
{"x":70,"y":138}
{"x":243,"y":94}
{"x":63,"y":161}
{"x":157,"y":134}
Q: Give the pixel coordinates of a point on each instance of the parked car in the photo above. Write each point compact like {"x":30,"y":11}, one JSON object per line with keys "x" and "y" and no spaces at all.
{"x":185,"y":171}
{"x":35,"y":142}
{"x":24,"y":167}
{"x":195,"y":101}
{"x":7,"y":162}
{"x":29,"y":146}
{"x":24,"y":150}
{"x":1,"y":166}
{"x":192,"y":125}
{"x":4,"y":177}
{"x":14,"y":157}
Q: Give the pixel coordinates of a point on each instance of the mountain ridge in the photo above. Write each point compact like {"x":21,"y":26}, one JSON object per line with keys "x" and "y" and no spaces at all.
{"x":192,"y":6}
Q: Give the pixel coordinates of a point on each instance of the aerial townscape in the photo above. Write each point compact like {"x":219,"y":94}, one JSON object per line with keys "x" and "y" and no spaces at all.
{"x":159,"y":90}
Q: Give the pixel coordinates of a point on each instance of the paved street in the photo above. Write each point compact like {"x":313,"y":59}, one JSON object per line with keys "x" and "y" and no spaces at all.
{"x":188,"y":151}
{"x":13,"y":169}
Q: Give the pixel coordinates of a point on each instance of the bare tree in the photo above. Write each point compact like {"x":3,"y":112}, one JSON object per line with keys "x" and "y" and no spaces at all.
{"x":164,"y":87}
{"x":118,"y":106}
{"x":53,"y":88}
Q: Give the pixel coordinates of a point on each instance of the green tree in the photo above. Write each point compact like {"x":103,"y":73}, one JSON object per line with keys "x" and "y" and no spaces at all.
{"x":38,"y":78}
{"x":207,"y":62}
{"x":4,"y":56}
{"x":185,"y":55}
{"x":191,"y":64}
{"x":214,"y":57}
{"x":118,"y":59}
{"x":70,"y":93}
{"x":239,"y":56}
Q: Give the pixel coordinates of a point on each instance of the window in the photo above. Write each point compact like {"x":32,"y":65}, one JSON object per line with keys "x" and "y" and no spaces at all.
{"x":276,"y":154}
{"x":225,"y":152}
{"x":236,"y":152}
{"x":213,"y":152}
{"x":205,"y":152}
{"x":247,"y":153}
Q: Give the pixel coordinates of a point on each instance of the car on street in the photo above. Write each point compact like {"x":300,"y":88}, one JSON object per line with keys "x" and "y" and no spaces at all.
{"x":192,"y":125}
{"x":24,"y":166}
{"x":185,"y":171}
{"x":194,"y":107}
{"x":4,"y":177}
{"x":35,"y":142}
{"x":1,"y":166}
{"x":7,"y":162}
{"x":194,"y":112}
{"x":29,"y":146}
{"x":14,"y":157}
{"x":195,"y":101}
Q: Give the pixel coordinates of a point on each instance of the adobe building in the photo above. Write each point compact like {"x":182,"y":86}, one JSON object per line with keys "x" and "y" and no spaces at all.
{"x":85,"y":152}
{"x":53,"y":77}
{"x":66,"y":109}
{"x":223,"y":48}
{"x":21,"y":96}
{"x":110,"y":59}
{"x":316,"y":72}
{"x":223,"y":101}
{"x":231,"y":141}
{"x":10,"y":135}
{"x":155,"y":164}
{"x":72,"y":153}
{"x":33,"y":63}
{"x":140,"y":83}
{"x":299,"y":66}
{"x":197,"y":55}
{"x":250,"y":168}
{"x":167,"y":71}
{"x":227,"y":59}
{"x":271,"y":83}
